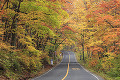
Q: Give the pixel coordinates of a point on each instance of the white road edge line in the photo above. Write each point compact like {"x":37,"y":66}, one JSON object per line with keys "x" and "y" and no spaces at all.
{"x":85,"y":69}
{"x":49,"y":70}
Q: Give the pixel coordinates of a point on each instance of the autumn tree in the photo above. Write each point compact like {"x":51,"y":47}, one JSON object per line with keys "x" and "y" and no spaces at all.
{"x":28,"y":34}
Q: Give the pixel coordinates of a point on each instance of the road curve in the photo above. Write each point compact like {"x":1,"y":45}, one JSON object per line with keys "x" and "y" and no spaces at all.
{"x":68,"y":69}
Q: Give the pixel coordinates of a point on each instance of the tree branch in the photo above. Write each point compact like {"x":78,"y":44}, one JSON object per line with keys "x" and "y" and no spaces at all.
{"x":109,"y":23}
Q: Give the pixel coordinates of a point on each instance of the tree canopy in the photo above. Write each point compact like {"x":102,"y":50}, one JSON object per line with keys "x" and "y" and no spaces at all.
{"x":32,"y":32}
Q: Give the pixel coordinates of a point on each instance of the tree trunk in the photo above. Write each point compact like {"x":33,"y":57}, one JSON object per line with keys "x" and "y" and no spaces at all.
{"x":82,"y":37}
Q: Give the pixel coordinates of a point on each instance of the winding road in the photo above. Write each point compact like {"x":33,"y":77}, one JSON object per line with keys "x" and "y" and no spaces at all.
{"x":68,"y":69}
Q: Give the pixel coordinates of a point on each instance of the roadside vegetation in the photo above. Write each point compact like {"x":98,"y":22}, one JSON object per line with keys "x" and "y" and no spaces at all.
{"x":98,"y":47}
{"x":30,"y":36}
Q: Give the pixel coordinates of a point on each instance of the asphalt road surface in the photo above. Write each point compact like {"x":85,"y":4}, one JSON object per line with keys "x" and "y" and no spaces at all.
{"x":68,"y":69}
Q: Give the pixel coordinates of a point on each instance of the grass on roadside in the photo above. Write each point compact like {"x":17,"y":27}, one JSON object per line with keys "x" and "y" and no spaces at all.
{"x":102,"y":74}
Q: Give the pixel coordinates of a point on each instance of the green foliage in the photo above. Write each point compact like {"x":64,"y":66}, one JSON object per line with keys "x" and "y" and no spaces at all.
{"x":117,"y":78}
{"x":27,"y":7}
{"x":115,"y":71}
{"x":43,"y":31}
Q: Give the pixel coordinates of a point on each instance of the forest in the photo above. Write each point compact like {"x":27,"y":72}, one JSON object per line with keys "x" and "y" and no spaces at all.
{"x":32,"y":32}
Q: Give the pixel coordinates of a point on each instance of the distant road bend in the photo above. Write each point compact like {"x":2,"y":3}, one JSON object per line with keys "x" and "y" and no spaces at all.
{"x":68,"y":69}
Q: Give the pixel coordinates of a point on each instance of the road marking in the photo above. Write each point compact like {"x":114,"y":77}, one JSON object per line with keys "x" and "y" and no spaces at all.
{"x":85,"y":69}
{"x":69,"y":58}
{"x":89,"y":72}
{"x":75,"y":68}
{"x":67,"y":72}
{"x":67,"y":69}
{"x":48,"y":70}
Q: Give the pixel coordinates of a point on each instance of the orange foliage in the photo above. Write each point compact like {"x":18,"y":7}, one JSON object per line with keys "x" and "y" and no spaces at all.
{"x":98,"y":49}
{"x":93,"y":63}
{"x":68,"y":28}
{"x":52,"y":0}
